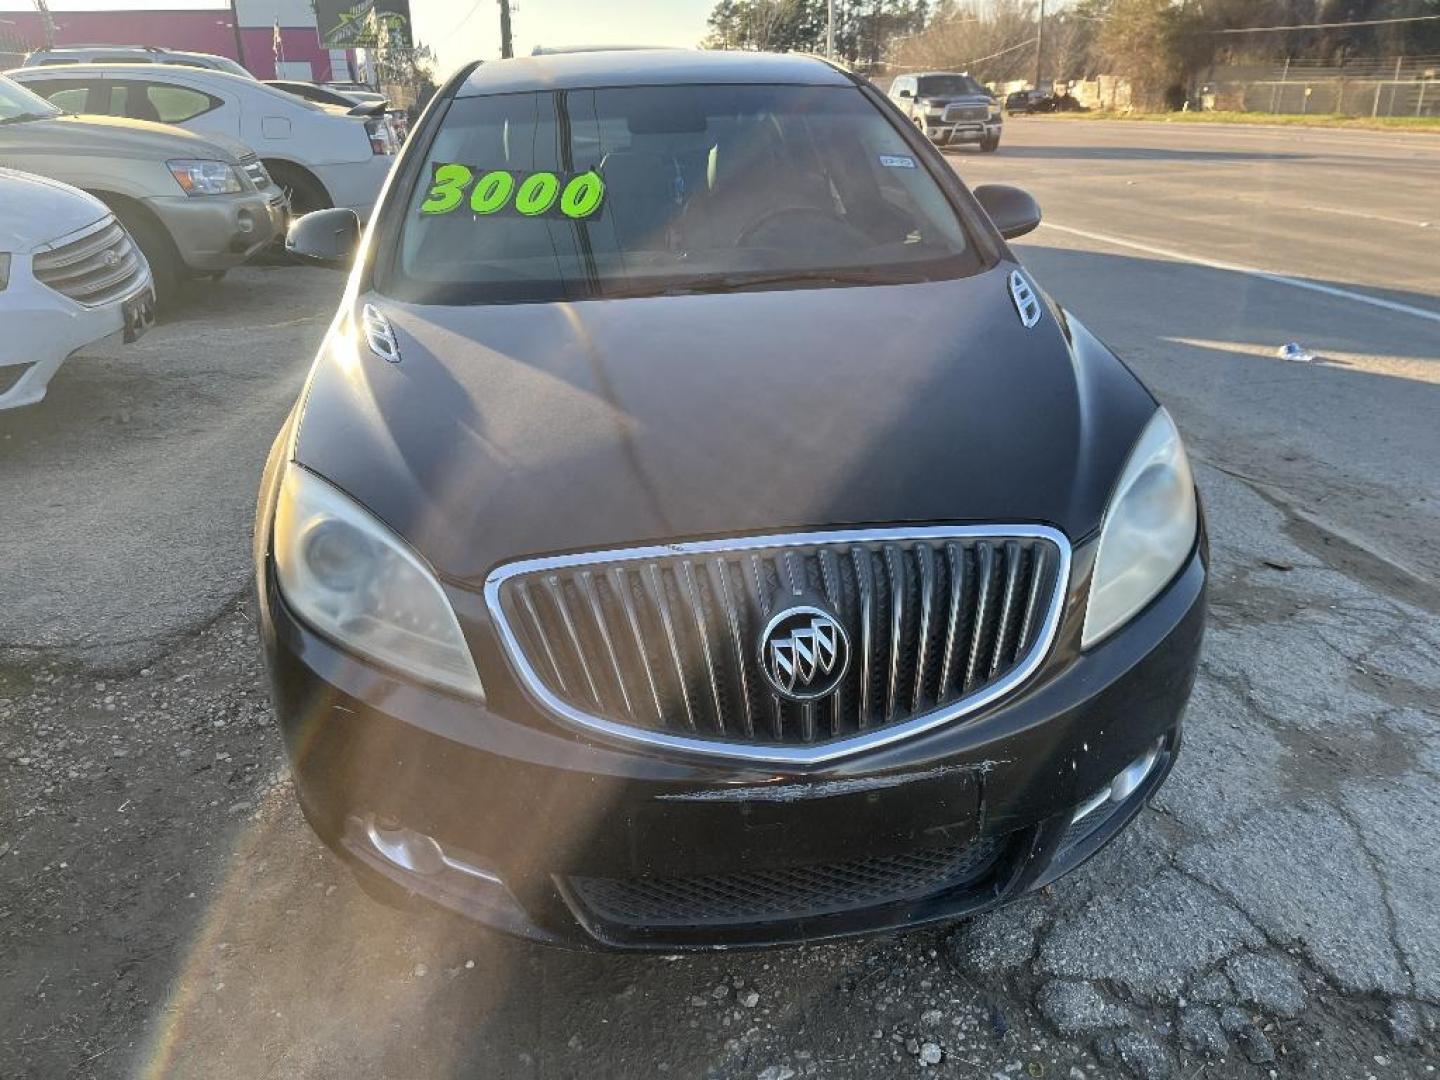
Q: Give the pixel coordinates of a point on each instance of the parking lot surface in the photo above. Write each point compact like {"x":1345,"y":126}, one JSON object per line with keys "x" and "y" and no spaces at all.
{"x":164,"y":911}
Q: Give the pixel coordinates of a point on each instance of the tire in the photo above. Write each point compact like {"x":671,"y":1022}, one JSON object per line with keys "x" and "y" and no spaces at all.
{"x":990,"y":145}
{"x":158,"y":249}
{"x":305,"y":192}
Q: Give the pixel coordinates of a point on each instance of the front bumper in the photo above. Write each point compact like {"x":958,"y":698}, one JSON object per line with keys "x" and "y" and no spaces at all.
{"x":220,"y":232}
{"x":529,"y":814}
{"x":44,"y":328}
{"x":964,"y":131}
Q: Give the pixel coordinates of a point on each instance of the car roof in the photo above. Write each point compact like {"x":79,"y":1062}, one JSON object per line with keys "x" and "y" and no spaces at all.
{"x":151,"y":71}
{"x":647,"y":67}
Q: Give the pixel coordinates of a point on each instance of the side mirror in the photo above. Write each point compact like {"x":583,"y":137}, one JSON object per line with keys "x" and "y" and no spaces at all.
{"x":906,"y":93}
{"x":328,"y":237}
{"x":1013,"y":210}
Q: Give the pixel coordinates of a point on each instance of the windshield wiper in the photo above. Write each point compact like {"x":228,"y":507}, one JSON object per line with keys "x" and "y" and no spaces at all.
{"x":740,"y":282}
{"x":19,"y":117}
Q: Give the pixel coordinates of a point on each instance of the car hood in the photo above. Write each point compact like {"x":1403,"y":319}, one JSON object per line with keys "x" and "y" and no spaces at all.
{"x":114,"y":136}
{"x":957,"y":99}
{"x":35,"y":210}
{"x":516,"y":430}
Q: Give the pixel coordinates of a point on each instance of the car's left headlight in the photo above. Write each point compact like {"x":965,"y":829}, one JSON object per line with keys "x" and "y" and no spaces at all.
{"x":1148,"y":532}
{"x":4,"y":270}
{"x":356,"y":582}
{"x":205,"y":177}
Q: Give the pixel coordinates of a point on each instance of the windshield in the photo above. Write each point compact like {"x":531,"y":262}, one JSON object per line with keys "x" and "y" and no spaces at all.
{"x":644,"y":190}
{"x":943,"y":85}
{"x":17,"y":103}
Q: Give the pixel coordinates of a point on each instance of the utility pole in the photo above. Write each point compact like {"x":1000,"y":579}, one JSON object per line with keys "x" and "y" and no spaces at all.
{"x":1040,"y":46}
{"x":507,"y":47}
{"x":234,"y":26}
{"x":47,"y":21}
{"x":830,"y":29}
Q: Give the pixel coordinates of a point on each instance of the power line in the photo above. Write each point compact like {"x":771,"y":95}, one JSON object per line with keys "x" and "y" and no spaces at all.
{"x":1325,"y":25}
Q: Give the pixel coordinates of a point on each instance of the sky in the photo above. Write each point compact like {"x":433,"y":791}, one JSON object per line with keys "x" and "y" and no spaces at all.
{"x":462,"y":30}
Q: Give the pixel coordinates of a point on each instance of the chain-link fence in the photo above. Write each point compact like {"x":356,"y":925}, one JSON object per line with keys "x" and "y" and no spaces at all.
{"x":1395,"y":86}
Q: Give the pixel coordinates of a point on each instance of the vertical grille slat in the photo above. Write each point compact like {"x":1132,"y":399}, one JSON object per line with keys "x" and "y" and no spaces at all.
{"x":620,"y":586}
{"x":866,"y":631}
{"x":656,"y":584}
{"x":1007,"y":604}
{"x":830,"y":582}
{"x":899,"y":585}
{"x":597,"y":615}
{"x":985,"y":559}
{"x":955,"y":558}
{"x":865,"y":587}
{"x":562,"y":606}
{"x":537,"y":628}
{"x":926,"y":559}
{"x":1039,"y":567}
{"x":720,"y":574}
{"x":702,"y":628}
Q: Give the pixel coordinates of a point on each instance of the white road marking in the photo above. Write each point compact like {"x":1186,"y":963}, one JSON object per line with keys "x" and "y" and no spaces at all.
{"x":1251,"y":271}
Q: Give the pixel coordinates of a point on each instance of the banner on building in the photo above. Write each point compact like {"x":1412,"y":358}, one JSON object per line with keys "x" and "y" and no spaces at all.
{"x":368,"y":24}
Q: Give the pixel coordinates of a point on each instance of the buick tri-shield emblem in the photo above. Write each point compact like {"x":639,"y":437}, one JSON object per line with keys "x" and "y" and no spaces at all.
{"x":804,"y":653}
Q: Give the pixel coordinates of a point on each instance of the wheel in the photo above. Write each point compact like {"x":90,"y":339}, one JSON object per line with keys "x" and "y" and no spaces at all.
{"x":158,"y":249}
{"x":990,"y":144}
{"x":303,"y":190}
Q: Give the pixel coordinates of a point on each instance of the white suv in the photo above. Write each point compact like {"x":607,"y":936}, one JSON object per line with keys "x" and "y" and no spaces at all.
{"x":322,"y":156}
{"x":69,"y":275}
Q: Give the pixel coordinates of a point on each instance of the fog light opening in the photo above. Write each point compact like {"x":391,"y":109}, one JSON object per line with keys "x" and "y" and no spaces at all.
{"x":415,"y":852}
{"x":412,"y":851}
{"x":1124,"y":784}
{"x":245,"y":221}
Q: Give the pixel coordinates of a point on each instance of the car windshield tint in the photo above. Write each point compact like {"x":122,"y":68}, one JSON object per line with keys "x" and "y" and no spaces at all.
{"x":651,"y":190}
{"x":940,"y":85}
{"x":17,"y":103}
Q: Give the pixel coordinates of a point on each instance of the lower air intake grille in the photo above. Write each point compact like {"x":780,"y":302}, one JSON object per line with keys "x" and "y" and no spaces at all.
{"x":790,"y":893}
{"x":680,"y":641}
{"x":99,"y":266}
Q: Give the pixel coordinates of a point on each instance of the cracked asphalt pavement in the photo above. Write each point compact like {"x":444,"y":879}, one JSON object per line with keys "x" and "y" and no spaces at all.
{"x":164,"y":910}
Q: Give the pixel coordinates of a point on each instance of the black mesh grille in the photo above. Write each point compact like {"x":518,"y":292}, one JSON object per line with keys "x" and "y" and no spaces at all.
{"x":789,"y":893}
{"x":672,"y":643}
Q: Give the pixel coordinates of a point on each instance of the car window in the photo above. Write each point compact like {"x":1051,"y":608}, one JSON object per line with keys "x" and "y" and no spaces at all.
{"x":603,"y":192}
{"x":67,"y":94}
{"x":122,"y":58}
{"x":176,"y":104}
{"x":949,"y":84}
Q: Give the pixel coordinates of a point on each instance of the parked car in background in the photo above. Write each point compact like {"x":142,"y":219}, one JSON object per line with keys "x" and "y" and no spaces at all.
{"x":319,"y":156}
{"x":70,"y":275}
{"x":131,"y":54}
{"x":356,"y":102}
{"x":196,"y":205}
{"x":949,"y":107}
{"x":1041,"y":101}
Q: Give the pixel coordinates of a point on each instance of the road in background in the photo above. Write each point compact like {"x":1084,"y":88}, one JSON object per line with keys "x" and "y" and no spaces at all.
{"x":1134,"y":211}
{"x":165,"y":911}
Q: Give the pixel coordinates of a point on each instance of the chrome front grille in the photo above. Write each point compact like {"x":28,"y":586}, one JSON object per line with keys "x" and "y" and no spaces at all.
{"x":965,"y":112}
{"x":255,"y":170}
{"x":101,"y":265}
{"x":665,"y":644}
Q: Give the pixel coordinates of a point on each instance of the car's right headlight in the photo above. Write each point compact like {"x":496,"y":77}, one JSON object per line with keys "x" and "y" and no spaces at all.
{"x":1148,"y":532}
{"x":356,"y":582}
{"x":205,"y":177}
